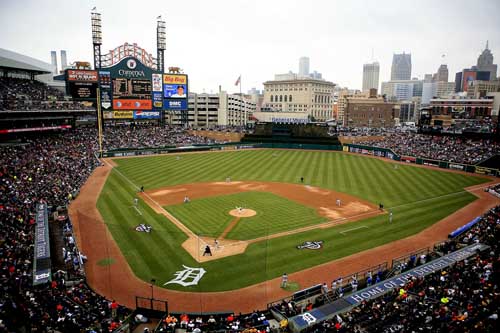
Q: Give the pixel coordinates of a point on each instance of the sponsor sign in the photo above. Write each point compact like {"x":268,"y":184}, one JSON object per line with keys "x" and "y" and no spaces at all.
{"x":178,"y":104}
{"x":82,"y":75}
{"x":468,"y":79}
{"x":34,"y":129}
{"x":41,"y":263}
{"x":485,"y":171}
{"x":127,"y":104}
{"x":146,"y":114}
{"x":315,"y":245}
{"x":289,"y":120}
{"x":123,"y":114}
{"x":175,"y":91}
{"x":456,"y":166}
{"x":409,"y":159}
{"x":157,"y":100}
{"x":157,"y":84}
{"x":108,"y":114}
{"x":175,"y":79}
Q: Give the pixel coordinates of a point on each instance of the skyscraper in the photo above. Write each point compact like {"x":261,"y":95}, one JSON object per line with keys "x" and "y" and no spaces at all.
{"x":442,"y":74}
{"x":53,"y":61}
{"x":64,"y":60}
{"x":401,"y":67}
{"x":304,"y":66}
{"x":485,"y":63}
{"x":370,"y":76}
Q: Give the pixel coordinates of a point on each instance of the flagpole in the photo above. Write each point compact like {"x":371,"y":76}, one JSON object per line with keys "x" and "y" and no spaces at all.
{"x":241,"y":96}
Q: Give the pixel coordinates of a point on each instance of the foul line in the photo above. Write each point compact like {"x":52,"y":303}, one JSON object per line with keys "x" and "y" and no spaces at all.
{"x":138,"y":211}
{"x":360,"y":227}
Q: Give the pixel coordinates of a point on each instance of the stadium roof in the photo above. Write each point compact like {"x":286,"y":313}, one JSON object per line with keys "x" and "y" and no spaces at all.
{"x":13,"y":61}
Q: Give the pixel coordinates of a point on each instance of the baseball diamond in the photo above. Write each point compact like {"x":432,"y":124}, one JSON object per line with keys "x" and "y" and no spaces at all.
{"x":262,"y":249}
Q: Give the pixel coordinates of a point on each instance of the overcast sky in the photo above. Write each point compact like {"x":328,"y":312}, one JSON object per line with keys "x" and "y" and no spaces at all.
{"x":216,"y":41}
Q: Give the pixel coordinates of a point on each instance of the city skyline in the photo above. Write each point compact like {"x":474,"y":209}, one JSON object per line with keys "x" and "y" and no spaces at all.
{"x":242,"y":40}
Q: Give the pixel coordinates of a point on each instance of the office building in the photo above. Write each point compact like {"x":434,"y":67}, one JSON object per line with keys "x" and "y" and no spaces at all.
{"x":211,"y":110}
{"x":370,"y":112}
{"x":303,"y":66}
{"x":401,"y":90}
{"x":401,"y":67}
{"x":485,"y":63}
{"x":313,"y":96}
{"x":442,"y":74}
{"x":370,"y":76}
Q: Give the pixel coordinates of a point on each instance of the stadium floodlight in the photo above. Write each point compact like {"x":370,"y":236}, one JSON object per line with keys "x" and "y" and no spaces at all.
{"x":96,"y":28}
{"x":160,"y":43}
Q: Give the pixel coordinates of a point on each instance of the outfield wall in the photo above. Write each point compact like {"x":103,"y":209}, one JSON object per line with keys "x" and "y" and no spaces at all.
{"x":390,"y":154}
{"x":352,"y":148}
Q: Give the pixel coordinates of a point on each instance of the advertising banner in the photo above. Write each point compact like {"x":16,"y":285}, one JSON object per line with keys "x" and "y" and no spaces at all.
{"x":127,"y":104}
{"x":175,"y":91}
{"x":468,"y":79}
{"x":105,"y":78}
{"x":41,"y":263}
{"x":410,"y":159}
{"x":486,"y":171}
{"x":146,"y":114}
{"x":123,"y":114}
{"x":108,"y":114}
{"x":157,"y":84}
{"x":82,"y":75}
{"x":179,"y":104}
{"x":157,"y":100}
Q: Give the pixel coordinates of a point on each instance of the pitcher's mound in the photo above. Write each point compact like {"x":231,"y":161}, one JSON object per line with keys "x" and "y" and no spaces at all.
{"x":244,"y":212}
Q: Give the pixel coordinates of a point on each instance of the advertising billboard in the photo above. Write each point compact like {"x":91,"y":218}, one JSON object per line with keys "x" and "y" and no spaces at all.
{"x":468,"y":79}
{"x":175,"y":91}
{"x":156,"y":79}
{"x":157,"y":100}
{"x":123,"y":114}
{"x":81,"y":84}
{"x":127,"y":104}
{"x":81,"y":75}
{"x":106,"y":97}
{"x":146,"y":114}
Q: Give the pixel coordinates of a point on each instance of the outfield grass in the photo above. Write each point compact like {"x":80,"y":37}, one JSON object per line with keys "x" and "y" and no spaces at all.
{"x":209,"y":216}
{"x":419,"y":198}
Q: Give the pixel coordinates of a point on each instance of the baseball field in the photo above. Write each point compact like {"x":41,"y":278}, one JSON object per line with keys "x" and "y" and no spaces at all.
{"x":273,"y":211}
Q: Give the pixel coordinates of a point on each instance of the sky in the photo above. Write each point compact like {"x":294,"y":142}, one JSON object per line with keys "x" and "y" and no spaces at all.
{"x":216,"y":41}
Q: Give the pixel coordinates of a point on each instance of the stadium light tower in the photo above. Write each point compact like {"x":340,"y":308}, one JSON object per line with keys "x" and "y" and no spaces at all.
{"x":96,"y":38}
{"x":160,"y":44}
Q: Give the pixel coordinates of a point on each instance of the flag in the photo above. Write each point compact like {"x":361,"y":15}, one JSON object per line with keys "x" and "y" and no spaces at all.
{"x":159,"y":17}
{"x":94,"y":8}
{"x":238,"y":81}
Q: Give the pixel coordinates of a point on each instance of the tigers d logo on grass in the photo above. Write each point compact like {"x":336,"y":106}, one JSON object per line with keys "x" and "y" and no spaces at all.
{"x":316,"y":245}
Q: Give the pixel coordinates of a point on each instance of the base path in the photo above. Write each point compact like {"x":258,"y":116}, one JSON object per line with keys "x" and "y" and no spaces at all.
{"x":117,"y":281}
{"x":339,"y":208}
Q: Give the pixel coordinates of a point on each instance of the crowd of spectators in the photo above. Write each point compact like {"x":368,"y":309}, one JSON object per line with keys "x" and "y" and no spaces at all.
{"x":464,"y":297}
{"x":151,"y":136}
{"x":446,"y":148}
{"x":255,"y":322}
{"x":18,"y":94}
{"x":50,"y":169}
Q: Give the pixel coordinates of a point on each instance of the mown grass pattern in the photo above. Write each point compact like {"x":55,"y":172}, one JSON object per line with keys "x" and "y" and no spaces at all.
{"x":419,"y":197}
{"x":209,"y":216}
